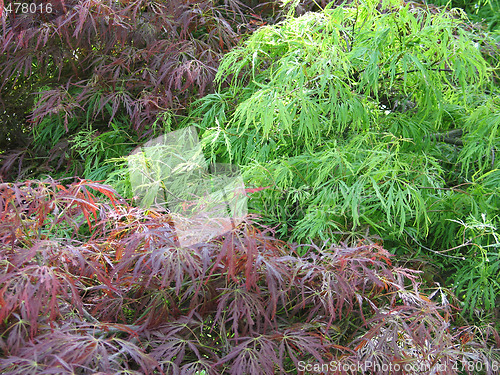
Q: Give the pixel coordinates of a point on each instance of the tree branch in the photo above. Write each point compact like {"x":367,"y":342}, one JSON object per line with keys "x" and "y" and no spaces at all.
{"x":451,"y":137}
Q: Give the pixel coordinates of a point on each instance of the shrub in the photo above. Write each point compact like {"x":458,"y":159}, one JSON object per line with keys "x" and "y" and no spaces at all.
{"x":88,"y":66}
{"x":358,"y":116}
{"x":121,"y":296}
{"x":80,"y":67}
{"x":369,"y":118}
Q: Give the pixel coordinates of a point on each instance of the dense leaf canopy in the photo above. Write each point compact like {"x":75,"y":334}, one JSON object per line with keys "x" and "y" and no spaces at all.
{"x":366,"y":133}
{"x":95,"y":65}
{"x":367,"y":118}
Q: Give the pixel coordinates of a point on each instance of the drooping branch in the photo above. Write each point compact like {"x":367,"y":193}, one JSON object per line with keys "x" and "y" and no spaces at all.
{"x":451,"y":137}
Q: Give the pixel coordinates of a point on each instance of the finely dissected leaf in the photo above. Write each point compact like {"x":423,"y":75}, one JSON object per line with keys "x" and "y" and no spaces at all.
{"x":378,"y":109}
{"x":126,"y":297}
{"x":95,"y":65}
{"x":252,"y":355}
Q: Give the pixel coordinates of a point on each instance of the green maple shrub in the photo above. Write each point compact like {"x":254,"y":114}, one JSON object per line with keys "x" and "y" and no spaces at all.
{"x":93,"y":284}
{"x":370,"y":117}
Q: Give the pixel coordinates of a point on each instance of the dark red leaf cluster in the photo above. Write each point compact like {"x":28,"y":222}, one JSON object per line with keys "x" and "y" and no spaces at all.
{"x":80,"y":63}
{"x":89,"y":283}
{"x":136,"y":57}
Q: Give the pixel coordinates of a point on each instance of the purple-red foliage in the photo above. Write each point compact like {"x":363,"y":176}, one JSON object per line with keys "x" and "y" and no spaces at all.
{"x":140,"y":57}
{"x":91,"y":284}
{"x":80,"y":62}
{"x":83,"y":62}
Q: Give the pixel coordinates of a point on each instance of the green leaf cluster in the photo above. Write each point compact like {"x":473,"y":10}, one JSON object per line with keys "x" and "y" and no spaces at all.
{"x":352,"y":115}
{"x":478,"y":280}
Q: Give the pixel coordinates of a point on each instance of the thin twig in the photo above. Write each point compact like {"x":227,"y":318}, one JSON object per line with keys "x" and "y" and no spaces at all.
{"x":428,"y":249}
{"x":386,"y":76}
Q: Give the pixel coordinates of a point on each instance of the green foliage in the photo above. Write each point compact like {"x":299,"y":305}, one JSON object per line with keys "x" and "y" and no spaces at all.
{"x":486,"y":11}
{"x":87,"y":147}
{"x":97,"y":149}
{"x":347,"y":185}
{"x":84,"y":150}
{"x":477,"y":279}
{"x":482,"y":137}
{"x":347,"y":112}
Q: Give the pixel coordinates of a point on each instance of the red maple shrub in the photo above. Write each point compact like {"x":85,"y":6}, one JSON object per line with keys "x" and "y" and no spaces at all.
{"x":91,"y":284}
{"x":66,"y":65}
